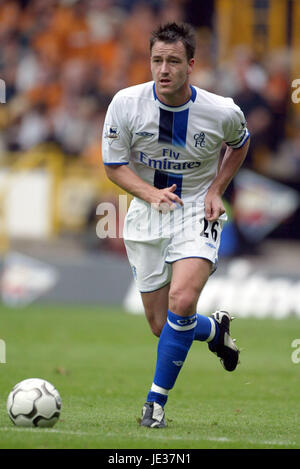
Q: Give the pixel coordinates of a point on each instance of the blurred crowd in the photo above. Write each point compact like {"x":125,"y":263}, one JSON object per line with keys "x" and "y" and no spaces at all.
{"x":63,"y":60}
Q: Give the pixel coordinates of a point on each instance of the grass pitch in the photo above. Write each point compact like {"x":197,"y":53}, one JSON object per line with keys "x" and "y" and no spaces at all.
{"x":102,"y":362}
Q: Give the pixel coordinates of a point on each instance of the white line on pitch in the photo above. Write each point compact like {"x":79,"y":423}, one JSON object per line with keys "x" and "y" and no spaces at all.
{"x":159,"y":437}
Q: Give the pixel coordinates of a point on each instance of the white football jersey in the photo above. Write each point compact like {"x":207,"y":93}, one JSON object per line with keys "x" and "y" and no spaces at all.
{"x":171,"y":144}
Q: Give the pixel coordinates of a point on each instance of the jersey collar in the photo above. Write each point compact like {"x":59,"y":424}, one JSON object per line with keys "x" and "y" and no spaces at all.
{"x":182,"y":107}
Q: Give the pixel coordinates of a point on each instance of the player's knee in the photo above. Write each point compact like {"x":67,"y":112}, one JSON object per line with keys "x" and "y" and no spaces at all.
{"x":181,"y":302}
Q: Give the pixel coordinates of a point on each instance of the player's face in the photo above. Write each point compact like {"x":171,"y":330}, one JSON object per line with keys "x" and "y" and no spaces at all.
{"x":170,"y":70}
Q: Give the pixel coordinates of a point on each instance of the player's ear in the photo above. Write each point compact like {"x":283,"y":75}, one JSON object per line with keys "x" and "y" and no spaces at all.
{"x":191,"y":64}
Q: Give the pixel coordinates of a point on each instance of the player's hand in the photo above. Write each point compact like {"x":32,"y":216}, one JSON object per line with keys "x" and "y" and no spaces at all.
{"x":165,"y":199}
{"x":214,"y":207}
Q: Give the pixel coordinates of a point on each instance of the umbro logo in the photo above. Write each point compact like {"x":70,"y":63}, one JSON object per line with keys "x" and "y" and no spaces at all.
{"x":144,"y":134}
{"x":178,"y":362}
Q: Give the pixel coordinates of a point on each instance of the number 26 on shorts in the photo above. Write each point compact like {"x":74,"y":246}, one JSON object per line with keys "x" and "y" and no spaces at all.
{"x":210,"y":229}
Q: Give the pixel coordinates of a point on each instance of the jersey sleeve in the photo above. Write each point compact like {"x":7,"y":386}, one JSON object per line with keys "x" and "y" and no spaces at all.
{"x":116,"y":137}
{"x":235,"y":128}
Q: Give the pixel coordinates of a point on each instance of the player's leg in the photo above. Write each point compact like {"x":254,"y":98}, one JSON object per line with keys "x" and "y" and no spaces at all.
{"x":203,"y":240}
{"x":184,"y":294}
{"x":156,"y":305}
{"x":156,"y":308}
{"x":152,"y":276}
{"x":146,"y":251}
{"x":188,"y":279}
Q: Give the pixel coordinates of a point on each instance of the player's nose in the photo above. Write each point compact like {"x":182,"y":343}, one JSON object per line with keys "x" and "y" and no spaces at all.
{"x":164,"y":69}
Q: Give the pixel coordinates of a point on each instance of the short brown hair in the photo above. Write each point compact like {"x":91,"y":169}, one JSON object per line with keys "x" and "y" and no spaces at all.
{"x":173,"y":32}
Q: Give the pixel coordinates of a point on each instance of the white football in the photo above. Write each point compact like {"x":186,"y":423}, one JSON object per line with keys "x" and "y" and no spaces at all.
{"x":34,"y":402}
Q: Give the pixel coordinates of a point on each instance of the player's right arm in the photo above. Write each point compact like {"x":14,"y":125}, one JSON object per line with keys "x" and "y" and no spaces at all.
{"x":125,"y":178}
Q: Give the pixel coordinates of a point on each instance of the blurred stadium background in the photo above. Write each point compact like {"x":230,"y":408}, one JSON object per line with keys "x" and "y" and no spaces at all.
{"x":61,"y":62}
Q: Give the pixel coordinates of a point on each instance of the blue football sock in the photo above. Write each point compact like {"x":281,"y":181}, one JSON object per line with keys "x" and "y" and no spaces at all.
{"x":206,"y":330}
{"x":173,"y":346}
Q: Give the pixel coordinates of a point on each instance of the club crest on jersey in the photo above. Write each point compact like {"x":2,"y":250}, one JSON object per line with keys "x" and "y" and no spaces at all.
{"x":112,"y":133}
{"x":199,"y":139}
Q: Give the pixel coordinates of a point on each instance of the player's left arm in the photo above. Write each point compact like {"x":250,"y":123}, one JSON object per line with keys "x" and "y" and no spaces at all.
{"x":231,"y":163}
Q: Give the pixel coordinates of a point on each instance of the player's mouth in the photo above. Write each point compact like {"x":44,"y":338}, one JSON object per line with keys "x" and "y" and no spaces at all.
{"x":164,"y":81}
